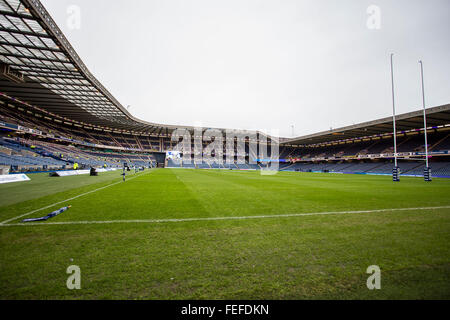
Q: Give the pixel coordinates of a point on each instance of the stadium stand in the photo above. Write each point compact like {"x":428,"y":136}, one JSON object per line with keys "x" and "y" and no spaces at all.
{"x":51,"y":120}
{"x":90,"y":148}
{"x":23,"y":158}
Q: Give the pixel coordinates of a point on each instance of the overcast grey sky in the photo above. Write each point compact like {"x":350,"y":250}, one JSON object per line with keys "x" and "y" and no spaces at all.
{"x":259,"y":64}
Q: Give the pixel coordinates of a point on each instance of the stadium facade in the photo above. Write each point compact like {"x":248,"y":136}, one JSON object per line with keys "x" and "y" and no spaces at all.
{"x":54,"y":113}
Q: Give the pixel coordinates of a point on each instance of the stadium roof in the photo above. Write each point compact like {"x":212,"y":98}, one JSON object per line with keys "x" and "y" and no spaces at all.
{"x":40,"y":67}
{"x":437,"y":116}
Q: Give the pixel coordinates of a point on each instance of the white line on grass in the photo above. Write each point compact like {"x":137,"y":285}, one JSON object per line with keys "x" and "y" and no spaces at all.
{"x":70,"y":199}
{"x":222,"y":218}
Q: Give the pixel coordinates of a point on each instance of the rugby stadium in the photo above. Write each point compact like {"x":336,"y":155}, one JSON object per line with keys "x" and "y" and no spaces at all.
{"x":143,"y":219}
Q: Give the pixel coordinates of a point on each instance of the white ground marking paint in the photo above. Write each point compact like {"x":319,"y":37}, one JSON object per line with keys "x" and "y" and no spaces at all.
{"x":223,"y":218}
{"x":70,"y":199}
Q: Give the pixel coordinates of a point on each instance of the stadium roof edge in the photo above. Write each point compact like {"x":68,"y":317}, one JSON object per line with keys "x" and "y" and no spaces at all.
{"x":55,"y":78}
{"x":436,"y":116}
{"x":36,"y":7}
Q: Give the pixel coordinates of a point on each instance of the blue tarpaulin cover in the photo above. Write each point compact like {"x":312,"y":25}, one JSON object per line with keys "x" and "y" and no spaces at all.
{"x":51,"y":215}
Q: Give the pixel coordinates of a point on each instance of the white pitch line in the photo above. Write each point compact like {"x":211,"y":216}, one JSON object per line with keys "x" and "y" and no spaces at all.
{"x":155,"y":221}
{"x":70,"y":199}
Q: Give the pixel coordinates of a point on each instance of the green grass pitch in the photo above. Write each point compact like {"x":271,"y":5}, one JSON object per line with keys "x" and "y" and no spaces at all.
{"x":132,"y":255}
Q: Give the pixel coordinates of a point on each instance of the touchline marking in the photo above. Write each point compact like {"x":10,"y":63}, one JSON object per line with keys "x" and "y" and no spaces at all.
{"x":70,"y":199}
{"x":155,"y":221}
